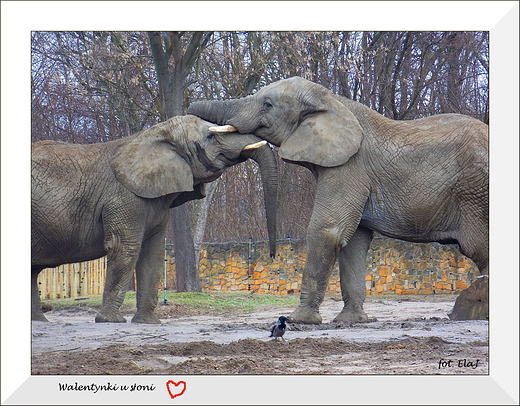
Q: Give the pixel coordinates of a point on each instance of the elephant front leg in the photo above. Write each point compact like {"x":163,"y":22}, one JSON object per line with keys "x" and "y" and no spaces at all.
{"x":121,"y":259}
{"x":321,"y":256}
{"x":336,"y":215}
{"x":114,"y":293}
{"x":352,"y":269}
{"x":148,"y":269}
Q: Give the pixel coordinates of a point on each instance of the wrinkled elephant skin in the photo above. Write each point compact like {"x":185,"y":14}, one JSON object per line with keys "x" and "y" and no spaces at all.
{"x":113,"y":199}
{"x":422,"y":180}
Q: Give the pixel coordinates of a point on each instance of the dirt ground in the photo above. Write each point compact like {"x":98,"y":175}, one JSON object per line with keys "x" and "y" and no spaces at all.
{"x":407,"y":336}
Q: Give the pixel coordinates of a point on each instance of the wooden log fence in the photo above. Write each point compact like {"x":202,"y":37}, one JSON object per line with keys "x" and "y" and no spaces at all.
{"x":73,"y":280}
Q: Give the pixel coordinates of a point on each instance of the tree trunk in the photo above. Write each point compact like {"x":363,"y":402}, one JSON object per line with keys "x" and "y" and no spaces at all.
{"x":171,"y":91}
{"x":453,"y":77}
{"x":202,"y":218}
{"x":187,"y":275}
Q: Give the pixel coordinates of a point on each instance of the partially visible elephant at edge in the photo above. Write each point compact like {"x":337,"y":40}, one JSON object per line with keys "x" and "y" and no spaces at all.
{"x":114,"y":198}
{"x":421,"y":180}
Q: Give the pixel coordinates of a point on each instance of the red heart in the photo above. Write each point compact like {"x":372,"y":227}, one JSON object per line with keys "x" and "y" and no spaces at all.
{"x":175,"y":392}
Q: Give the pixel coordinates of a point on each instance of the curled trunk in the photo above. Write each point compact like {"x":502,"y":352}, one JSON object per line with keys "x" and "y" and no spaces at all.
{"x":222,"y":113}
{"x":266,"y":160}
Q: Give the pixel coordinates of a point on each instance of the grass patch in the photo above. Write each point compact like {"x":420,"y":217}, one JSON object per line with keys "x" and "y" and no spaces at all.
{"x":214,"y":302}
{"x":225,"y":302}
{"x":230,"y":301}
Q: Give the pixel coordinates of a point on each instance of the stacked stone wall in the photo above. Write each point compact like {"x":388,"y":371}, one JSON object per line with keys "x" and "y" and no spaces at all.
{"x":393,"y":267}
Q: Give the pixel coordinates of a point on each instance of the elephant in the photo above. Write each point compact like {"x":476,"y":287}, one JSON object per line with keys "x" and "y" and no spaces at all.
{"x":423,"y":180}
{"x":113,"y":199}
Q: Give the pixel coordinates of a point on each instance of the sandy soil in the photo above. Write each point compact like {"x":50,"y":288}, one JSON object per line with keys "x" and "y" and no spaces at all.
{"x":404,"y":337}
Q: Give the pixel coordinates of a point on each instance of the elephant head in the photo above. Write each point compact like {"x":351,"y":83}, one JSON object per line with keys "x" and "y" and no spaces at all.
{"x":181,"y":154}
{"x":305,"y":120}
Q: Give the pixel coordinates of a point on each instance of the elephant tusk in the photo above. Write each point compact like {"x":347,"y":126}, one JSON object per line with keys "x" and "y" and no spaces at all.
{"x":223,"y":129}
{"x":255,"y":145}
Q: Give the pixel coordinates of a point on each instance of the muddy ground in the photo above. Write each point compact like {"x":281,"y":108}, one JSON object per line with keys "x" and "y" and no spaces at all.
{"x":407,"y":336}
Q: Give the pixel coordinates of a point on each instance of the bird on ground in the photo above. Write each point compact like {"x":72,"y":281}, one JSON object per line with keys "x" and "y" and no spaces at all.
{"x":278,"y":330}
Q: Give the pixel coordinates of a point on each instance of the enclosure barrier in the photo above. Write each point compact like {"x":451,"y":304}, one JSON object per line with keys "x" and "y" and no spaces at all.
{"x":394,"y":266}
{"x":73,"y":280}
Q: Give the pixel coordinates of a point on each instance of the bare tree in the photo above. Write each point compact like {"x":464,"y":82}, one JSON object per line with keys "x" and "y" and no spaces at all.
{"x":90,"y":86}
{"x":174,"y":55}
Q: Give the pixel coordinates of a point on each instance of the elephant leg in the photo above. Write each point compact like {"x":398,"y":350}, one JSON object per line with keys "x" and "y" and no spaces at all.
{"x":480,"y":258}
{"x":148,"y":269}
{"x":352,"y":268}
{"x":473,"y":302}
{"x":336,"y":215}
{"x":322,"y":253}
{"x":121,"y":259}
{"x":36,"y":305}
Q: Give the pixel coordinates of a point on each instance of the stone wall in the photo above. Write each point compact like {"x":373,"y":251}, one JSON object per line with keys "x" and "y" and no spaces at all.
{"x":393,"y":267}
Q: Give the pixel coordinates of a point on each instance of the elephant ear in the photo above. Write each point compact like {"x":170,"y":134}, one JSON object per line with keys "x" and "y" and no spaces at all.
{"x":150,"y":166}
{"x":328,"y":136}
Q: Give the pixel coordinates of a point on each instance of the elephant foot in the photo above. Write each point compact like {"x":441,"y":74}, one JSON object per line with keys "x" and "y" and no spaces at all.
{"x":305,"y":315}
{"x":473,"y":302}
{"x":113,"y":318}
{"x":352,"y":315}
{"x":146,"y":318}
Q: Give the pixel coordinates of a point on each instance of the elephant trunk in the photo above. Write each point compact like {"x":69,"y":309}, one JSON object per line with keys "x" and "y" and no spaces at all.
{"x":215,"y":111}
{"x":266,"y":161}
{"x":225,"y":112}
{"x":230,"y":112}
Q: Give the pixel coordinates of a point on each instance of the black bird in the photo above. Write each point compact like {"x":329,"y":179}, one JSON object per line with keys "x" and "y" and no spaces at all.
{"x":278,"y":329}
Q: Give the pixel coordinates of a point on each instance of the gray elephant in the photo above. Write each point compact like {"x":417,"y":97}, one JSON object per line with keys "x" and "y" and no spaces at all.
{"x":113,"y":199}
{"x":421,"y":180}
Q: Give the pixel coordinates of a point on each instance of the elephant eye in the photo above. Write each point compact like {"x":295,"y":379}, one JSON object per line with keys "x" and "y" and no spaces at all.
{"x":267,"y":104}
